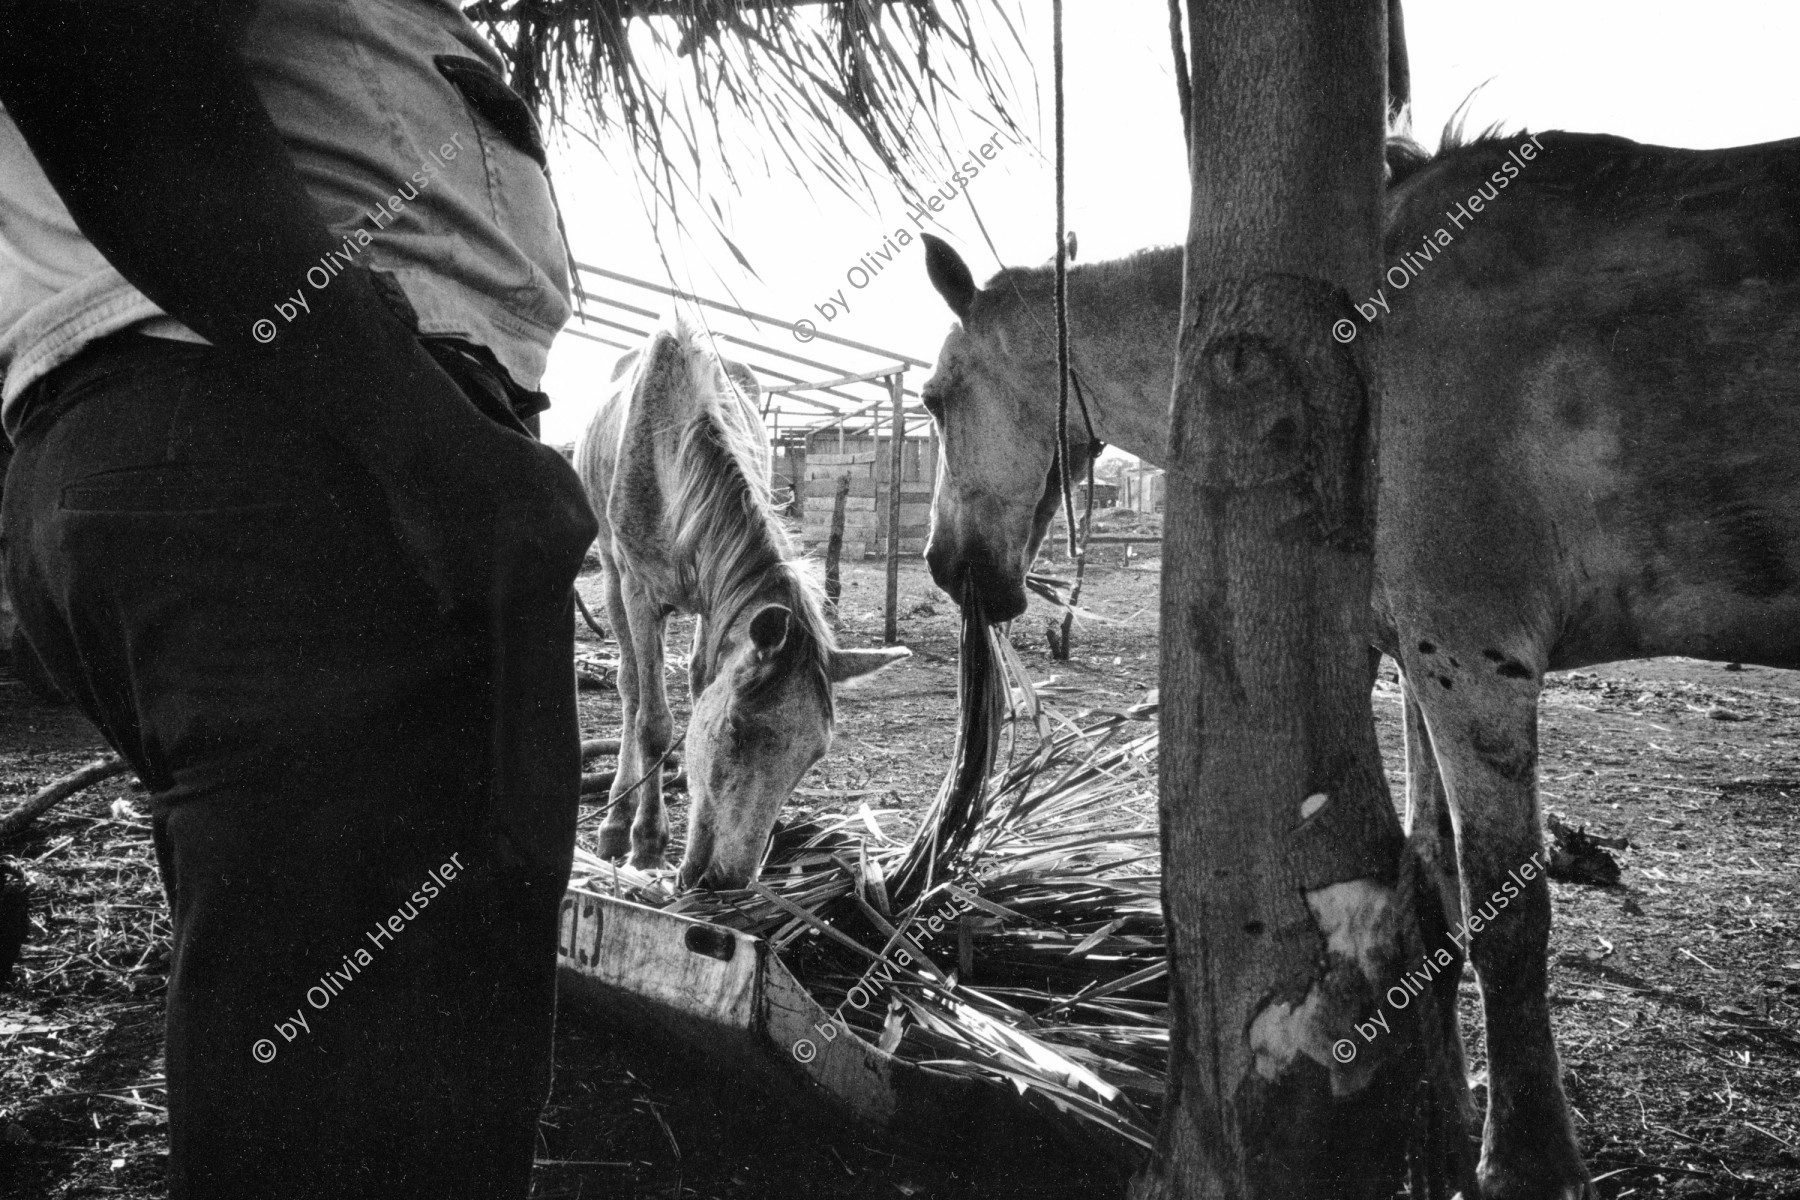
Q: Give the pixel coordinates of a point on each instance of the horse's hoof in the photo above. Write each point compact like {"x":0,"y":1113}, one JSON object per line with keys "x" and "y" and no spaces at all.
{"x":1494,"y":1190}
{"x":648,"y":858}
{"x":615,"y":843}
{"x":1537,"y":1181}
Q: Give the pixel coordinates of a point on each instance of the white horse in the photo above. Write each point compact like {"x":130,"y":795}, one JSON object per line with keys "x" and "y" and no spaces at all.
{"x":1589,"y":451}
{"x":676,"y":465}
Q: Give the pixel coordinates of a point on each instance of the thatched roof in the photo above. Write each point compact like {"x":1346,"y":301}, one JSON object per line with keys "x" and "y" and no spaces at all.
{"x":813,"y":77}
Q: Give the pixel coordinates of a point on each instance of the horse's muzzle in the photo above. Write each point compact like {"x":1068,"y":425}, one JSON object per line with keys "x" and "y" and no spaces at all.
{"x":1002,"y":593}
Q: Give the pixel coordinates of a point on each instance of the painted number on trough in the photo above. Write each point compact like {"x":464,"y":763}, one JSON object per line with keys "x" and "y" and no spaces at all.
{"x":569,"y":943}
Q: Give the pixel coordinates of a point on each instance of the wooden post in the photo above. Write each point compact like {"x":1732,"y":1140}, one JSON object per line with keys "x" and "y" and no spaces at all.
{"x":834,"y":544}
{"x":1280,"y":847}
{"x":773,"y":432}
{"x":797,"y":463}
{"x":896,"y":389}
{"x":932,"y":466}
{"x":1061,"y":645}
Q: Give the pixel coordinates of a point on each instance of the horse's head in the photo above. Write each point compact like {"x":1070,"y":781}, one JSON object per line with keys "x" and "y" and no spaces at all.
{"x":763,"y":717}
{"x":993,"y":396}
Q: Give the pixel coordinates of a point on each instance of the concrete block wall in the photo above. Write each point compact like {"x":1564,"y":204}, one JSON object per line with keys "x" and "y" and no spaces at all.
{"x":866,"y":508}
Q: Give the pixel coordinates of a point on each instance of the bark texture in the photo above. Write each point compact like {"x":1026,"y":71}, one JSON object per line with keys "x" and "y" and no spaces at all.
{"x":1289,"y":918}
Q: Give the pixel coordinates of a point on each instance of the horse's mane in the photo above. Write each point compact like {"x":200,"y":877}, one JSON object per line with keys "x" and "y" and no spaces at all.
{"x":1161,"y":266}
{"x":727,"y":532}
{"x":1117,"y":286}
{"x":1407,"y":157}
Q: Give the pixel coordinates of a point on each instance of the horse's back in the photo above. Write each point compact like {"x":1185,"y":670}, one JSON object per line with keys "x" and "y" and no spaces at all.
{"x":630,"y":456}
{"x":597,"y":450}
{"x":1591,"y":406}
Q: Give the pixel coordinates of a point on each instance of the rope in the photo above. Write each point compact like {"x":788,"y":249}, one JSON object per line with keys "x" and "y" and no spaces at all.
{"x":588,"y":616}
{"x":654,"y":768}
{"x":1062,"y":296}
{"x":1061,"y":646}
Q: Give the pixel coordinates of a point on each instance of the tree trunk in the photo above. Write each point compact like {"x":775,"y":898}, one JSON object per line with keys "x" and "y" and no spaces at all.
{"x":1288,"y":917}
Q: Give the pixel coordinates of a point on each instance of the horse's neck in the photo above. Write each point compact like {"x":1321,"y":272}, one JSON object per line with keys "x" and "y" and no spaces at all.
{"x":1128,"y":372}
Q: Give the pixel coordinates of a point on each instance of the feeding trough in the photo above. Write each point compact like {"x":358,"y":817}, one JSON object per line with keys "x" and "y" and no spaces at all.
{"x":994,"y":985}
{"x":725,"y":997}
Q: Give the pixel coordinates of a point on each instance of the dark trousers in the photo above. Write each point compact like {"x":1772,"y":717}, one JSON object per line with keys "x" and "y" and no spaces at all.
{"x":363,"y":811}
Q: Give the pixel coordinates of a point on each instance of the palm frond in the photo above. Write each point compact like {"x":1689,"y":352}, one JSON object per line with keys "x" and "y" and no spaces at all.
{"x":812,"y":80}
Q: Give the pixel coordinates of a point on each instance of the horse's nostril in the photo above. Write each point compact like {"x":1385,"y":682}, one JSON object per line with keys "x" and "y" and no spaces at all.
{"x":946,"y":572}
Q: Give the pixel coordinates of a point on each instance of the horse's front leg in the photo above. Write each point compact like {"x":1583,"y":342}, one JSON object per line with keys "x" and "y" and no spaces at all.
{"x":650,"y":732}
{"x":1480,"y":709}
{"x":615,"y":827}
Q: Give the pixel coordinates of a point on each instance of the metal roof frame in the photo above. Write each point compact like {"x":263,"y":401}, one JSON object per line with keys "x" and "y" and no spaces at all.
{"x":848,"y":381}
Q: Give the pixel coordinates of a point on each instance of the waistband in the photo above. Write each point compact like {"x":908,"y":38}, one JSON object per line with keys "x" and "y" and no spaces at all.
{"x":473,"y":369}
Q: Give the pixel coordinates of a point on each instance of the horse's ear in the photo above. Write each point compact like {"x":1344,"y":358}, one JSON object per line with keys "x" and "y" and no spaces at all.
{"x":950,"y":276}
{"x":769,"y":631}
{"x":854,"y":664}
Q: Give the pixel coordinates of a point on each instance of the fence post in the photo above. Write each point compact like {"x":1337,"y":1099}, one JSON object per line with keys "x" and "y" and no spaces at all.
{"x":797,"y":468}
{"x":897,"y":389}
{"x":834,"y":544}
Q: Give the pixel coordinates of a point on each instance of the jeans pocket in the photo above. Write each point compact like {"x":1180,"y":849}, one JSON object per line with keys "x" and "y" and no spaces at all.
{"x":173,"y":487}
{"x":504,"y":109}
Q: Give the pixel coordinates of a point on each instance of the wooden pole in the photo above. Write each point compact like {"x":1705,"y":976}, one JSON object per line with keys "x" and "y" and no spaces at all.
{"x":896,"y":458}
{"x":834,"y":544}
{"x":797,"y":456}
{"x":1061,"y":645}
{"x":932,"y":464}
{"x":1281,"y":850}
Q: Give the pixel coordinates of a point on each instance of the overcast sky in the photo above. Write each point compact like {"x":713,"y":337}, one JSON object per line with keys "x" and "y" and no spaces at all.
{"x":1656,"y":72}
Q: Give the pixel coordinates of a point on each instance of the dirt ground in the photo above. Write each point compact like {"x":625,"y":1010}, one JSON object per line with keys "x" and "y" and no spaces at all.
{"x":1676,"y":994}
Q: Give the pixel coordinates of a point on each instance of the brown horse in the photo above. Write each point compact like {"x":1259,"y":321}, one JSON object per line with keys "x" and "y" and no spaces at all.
{"x":1589,"y":451}
{"x":676,"y":465}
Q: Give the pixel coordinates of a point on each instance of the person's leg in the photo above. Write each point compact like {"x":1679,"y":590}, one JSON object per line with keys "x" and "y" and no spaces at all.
{"x":219,"y":587}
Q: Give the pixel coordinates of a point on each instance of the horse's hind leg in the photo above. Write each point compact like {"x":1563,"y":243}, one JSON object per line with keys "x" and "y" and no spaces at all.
{"x":1431,"y":844}
{"x":615,"y":827}
{"x":1480,"y":708}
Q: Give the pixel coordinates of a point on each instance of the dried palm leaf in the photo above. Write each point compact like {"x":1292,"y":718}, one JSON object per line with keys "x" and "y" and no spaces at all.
{"x":811,"y":80}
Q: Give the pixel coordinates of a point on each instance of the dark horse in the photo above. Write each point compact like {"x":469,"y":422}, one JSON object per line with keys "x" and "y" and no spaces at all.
{"x":1589,"y":451}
